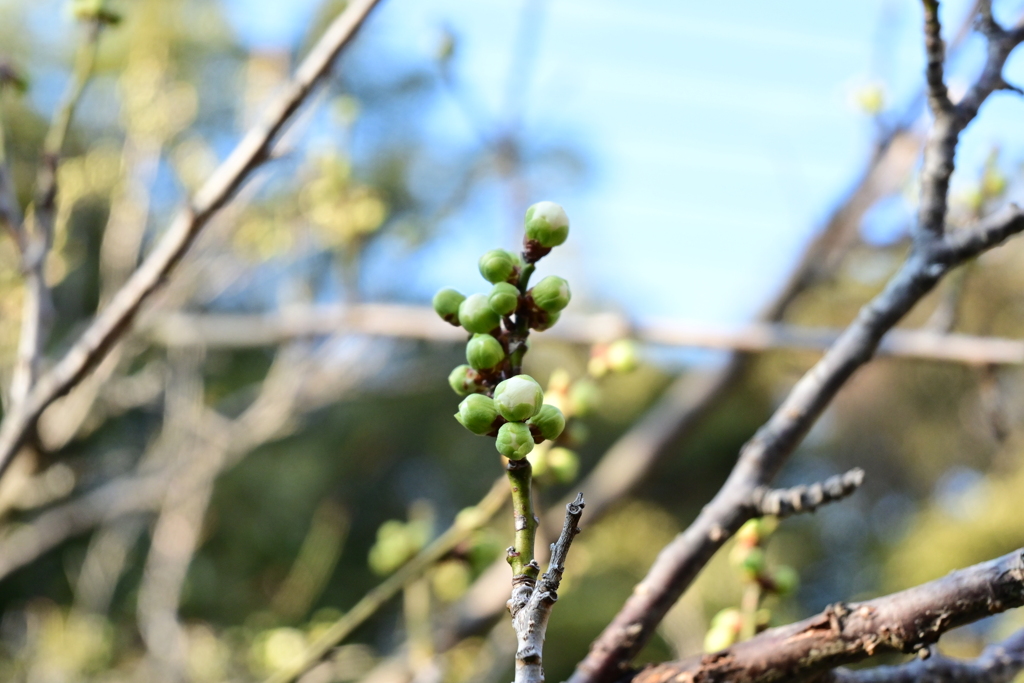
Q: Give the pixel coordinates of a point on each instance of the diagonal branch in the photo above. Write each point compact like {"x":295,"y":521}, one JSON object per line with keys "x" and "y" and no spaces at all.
{"x":35,"y":235}
{"x":908,"y":621}
{"x":932,"y":256}
{"x":935,"y":53}
{"x":250,"y":153}
{"x":999,"y":663}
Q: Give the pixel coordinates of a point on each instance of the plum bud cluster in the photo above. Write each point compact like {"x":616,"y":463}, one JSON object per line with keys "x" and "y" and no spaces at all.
{"x":499,"y":400}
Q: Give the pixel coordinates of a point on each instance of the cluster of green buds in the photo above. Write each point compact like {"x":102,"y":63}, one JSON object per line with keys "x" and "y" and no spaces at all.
{"x":748,"y":557}
{"x":500,"y":401}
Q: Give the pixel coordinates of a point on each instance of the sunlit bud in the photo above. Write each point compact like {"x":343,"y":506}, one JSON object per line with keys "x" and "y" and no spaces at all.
{"x":551,"y":294}
{"x":547,"y":224}
{"x":514,"y":440}
{"x":483,"y":352}
{"x":542,"y":320}
{"x":504,"y":298}
{"x":756,"y":530}
{"x":446,"y":303}
{"x":450,"y":579}
{"x":497,"y":265}
{"x":477,"y":413}
{"x":465,"y":380}
{"x":475,"y":314}
{"x":749,"y":560}
{"x":870,"y":99}
{"x":622,"y":356}
{"x":93,"y":10}
{"x":563,"y":464}
{"x":518,"y":398}
{"x":583,"y":395}
{"x":548,"y":422}
{"x":724,"y":630}
{"x":539,"y":461}
{"x":785,"y":580}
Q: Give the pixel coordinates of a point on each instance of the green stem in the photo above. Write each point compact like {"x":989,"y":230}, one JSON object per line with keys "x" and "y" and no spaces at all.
{"x":748,"y":609}
{"x":521,"y":330}
{"x":520,"y":556}
{"x":465,"y":524}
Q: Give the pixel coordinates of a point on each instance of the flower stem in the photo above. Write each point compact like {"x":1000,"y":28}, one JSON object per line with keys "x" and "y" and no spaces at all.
{"x":520,"y":555}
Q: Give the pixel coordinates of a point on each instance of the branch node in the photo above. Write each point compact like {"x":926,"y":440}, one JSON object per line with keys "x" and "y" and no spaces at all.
{"x":800,"y":499}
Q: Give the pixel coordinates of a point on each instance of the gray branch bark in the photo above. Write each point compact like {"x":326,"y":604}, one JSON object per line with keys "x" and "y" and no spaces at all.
{"x":800,"y":499}
{"x":531,"y":605}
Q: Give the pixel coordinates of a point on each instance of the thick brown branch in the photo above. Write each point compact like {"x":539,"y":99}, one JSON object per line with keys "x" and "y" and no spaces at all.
{"x":999,"y":663}
{"x":844,"y":633}
{"x":799,"y":499}
{"x":250,"y":153}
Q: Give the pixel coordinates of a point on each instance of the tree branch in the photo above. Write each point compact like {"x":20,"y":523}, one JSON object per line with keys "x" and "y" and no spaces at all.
{"x":935,"y":53}
{"x":902,"y":622}
{"x":932,"y":257}
{"x":36,"y":234}
{"x":799,"y":499}
{"x":530,"y":617}
{"x":999,"y":663}
{"x":250,"y":153}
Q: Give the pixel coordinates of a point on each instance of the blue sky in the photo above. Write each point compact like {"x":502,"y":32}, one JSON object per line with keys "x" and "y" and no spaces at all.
{"x":719,"y":134}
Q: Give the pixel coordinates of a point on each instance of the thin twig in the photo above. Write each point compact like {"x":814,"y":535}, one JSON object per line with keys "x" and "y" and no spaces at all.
{"x":908,"y":622}
{"x":36,"y":234}
{"x":250,"y":153}
{"x":530,"y":617}
{"x":241,"y":330}
{"x":800,"y":499}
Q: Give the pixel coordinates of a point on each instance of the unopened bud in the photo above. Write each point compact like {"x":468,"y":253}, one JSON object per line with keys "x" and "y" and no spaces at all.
{"x":446,"y":303}
{"x":475,"y":314}
{"x":622,"y":356}
{"x":547,"y":224}
{"x":563,"y":464}
{"x":483,"y":352}
{"x":504,"y":298}
{"x":465,"y":380}
{"x":551,"y":294}
{"x":518,"y":398}
{"x":548,"y":422}
{"x":497,"y":265}
{"x":514,"y":440}
{"x":477,"y":413}
{"x":785,"y":580}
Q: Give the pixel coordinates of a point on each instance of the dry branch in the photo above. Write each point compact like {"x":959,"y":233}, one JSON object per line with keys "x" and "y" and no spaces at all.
{"x":115,"y":319}
{"x":902,"y":622}
{"x":999,"y":663}
{"x":799,"y":499}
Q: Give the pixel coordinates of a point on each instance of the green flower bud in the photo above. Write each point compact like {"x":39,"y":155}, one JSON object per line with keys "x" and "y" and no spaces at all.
{"x":563,"y":464}
{"x":547,"y":224}
{"x":548,"y":422}
{"x":446,"y":303}
{"x":497,"y":265}
{"x":465,"y":380}
{"x":551,"y":294}
{"x":514,"y":440}
{"x":504,"y":298}
{"x":584,"y":395}
{"x":719,"y":638}
{"x":622,"y":356}
{"x":543,"y":320}
{"x":751,"y":563}
{"x":786,"y":580}
{"x":477,"y":413}
{"x":475,"y":314}
{"x":483,"y":352}
{"x":519,"y":398}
